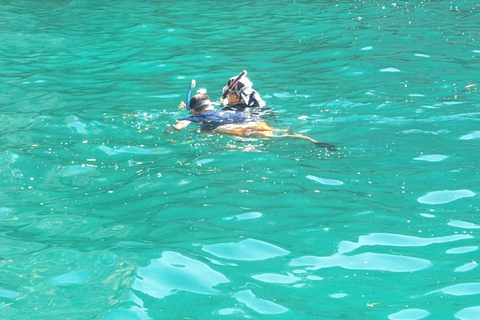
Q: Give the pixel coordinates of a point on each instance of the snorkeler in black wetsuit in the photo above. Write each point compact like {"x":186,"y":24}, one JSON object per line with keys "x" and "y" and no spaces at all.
{"x":241,"y":95}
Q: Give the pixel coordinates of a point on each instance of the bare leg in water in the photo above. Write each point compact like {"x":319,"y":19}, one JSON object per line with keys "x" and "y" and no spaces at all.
{"x":263,"y":129}
{"x":325,"y":145}
{"x":287,"y":133}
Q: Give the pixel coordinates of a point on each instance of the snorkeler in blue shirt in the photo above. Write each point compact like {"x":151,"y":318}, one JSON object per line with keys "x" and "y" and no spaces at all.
{"x":207,"y":117}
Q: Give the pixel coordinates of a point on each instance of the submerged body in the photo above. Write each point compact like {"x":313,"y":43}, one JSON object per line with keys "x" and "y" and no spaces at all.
{"x":236,"y":107}
{"x":263,"y":129}
{"x":234,"y":123}
{"x":229,"y":122}
{"x":247,"y":129}
{"x":210,"y":120}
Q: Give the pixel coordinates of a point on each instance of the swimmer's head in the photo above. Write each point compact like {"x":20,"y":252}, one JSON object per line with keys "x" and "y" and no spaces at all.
{"x":244,"y":92}
{"x":242,"y":85}
{"x":200,"y":102}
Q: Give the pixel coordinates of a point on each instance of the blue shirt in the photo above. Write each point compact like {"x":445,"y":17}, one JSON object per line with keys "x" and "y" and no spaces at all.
{"x":209,"y":120}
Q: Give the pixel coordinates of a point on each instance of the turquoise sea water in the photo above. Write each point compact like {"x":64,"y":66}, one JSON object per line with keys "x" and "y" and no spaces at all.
{"x":106,"y":213}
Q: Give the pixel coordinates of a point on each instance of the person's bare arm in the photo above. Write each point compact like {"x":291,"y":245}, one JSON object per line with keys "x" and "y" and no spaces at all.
{"x":182,"y":106}
{"x":181,"y":124}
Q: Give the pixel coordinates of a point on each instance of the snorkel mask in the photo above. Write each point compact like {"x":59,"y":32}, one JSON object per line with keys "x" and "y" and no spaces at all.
{"x":232,"y":85}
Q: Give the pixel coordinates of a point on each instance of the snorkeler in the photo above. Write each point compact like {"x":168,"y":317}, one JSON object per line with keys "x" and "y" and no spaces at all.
{"x":234,"y":123}
{"x":240,"y":94}
{"x":204,"y":113}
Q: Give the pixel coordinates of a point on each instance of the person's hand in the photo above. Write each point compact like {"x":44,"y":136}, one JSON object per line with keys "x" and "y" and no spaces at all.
{"x":182,"y":106}
{"x":181,"y":124}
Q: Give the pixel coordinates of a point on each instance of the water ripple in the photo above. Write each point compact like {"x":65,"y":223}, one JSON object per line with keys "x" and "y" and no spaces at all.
{"x":276,"y":278}
{"x":462,"y":250}
{"x":390,"y":70}
{"x":409,"y":314}
{"x":132,"y":150}
{"x":364,"y":261}
{"x":463,"y":224}
{"x":9,"y":294}
{"x":466,"y":267}
{"x":463,"y":289}
{"x":472,"y":313}
{"x":330,"y":182}
{"x":431,"y":158}
{"x":446,"y":196}
{"x":259,"y":305}
{"x":397,"y":240}
{"x":471,"y":136}
{"x":245,"y":216}
{"x":174,"y":272}
{"x":70,"y":278}
{"x":247,"y":250}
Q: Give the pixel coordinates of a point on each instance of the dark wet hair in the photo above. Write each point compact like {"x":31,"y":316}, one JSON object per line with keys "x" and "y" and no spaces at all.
{"x":199,"y":102}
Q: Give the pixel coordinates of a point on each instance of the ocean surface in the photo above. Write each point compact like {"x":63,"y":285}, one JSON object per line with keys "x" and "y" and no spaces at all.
{"x":106,"y":212}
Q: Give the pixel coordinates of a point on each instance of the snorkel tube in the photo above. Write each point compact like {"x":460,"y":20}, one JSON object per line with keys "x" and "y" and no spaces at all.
{"x":233,"y":84}
{"x":189,"y":93}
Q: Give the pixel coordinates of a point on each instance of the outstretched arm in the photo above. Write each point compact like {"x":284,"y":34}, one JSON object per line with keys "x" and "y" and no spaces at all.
{"x":181,"y":124}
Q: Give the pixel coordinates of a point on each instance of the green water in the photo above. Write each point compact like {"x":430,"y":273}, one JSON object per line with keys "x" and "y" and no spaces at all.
{"x":106,"y":213}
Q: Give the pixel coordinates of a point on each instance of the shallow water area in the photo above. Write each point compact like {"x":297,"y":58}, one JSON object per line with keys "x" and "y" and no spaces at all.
{"x":109,"y":213}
